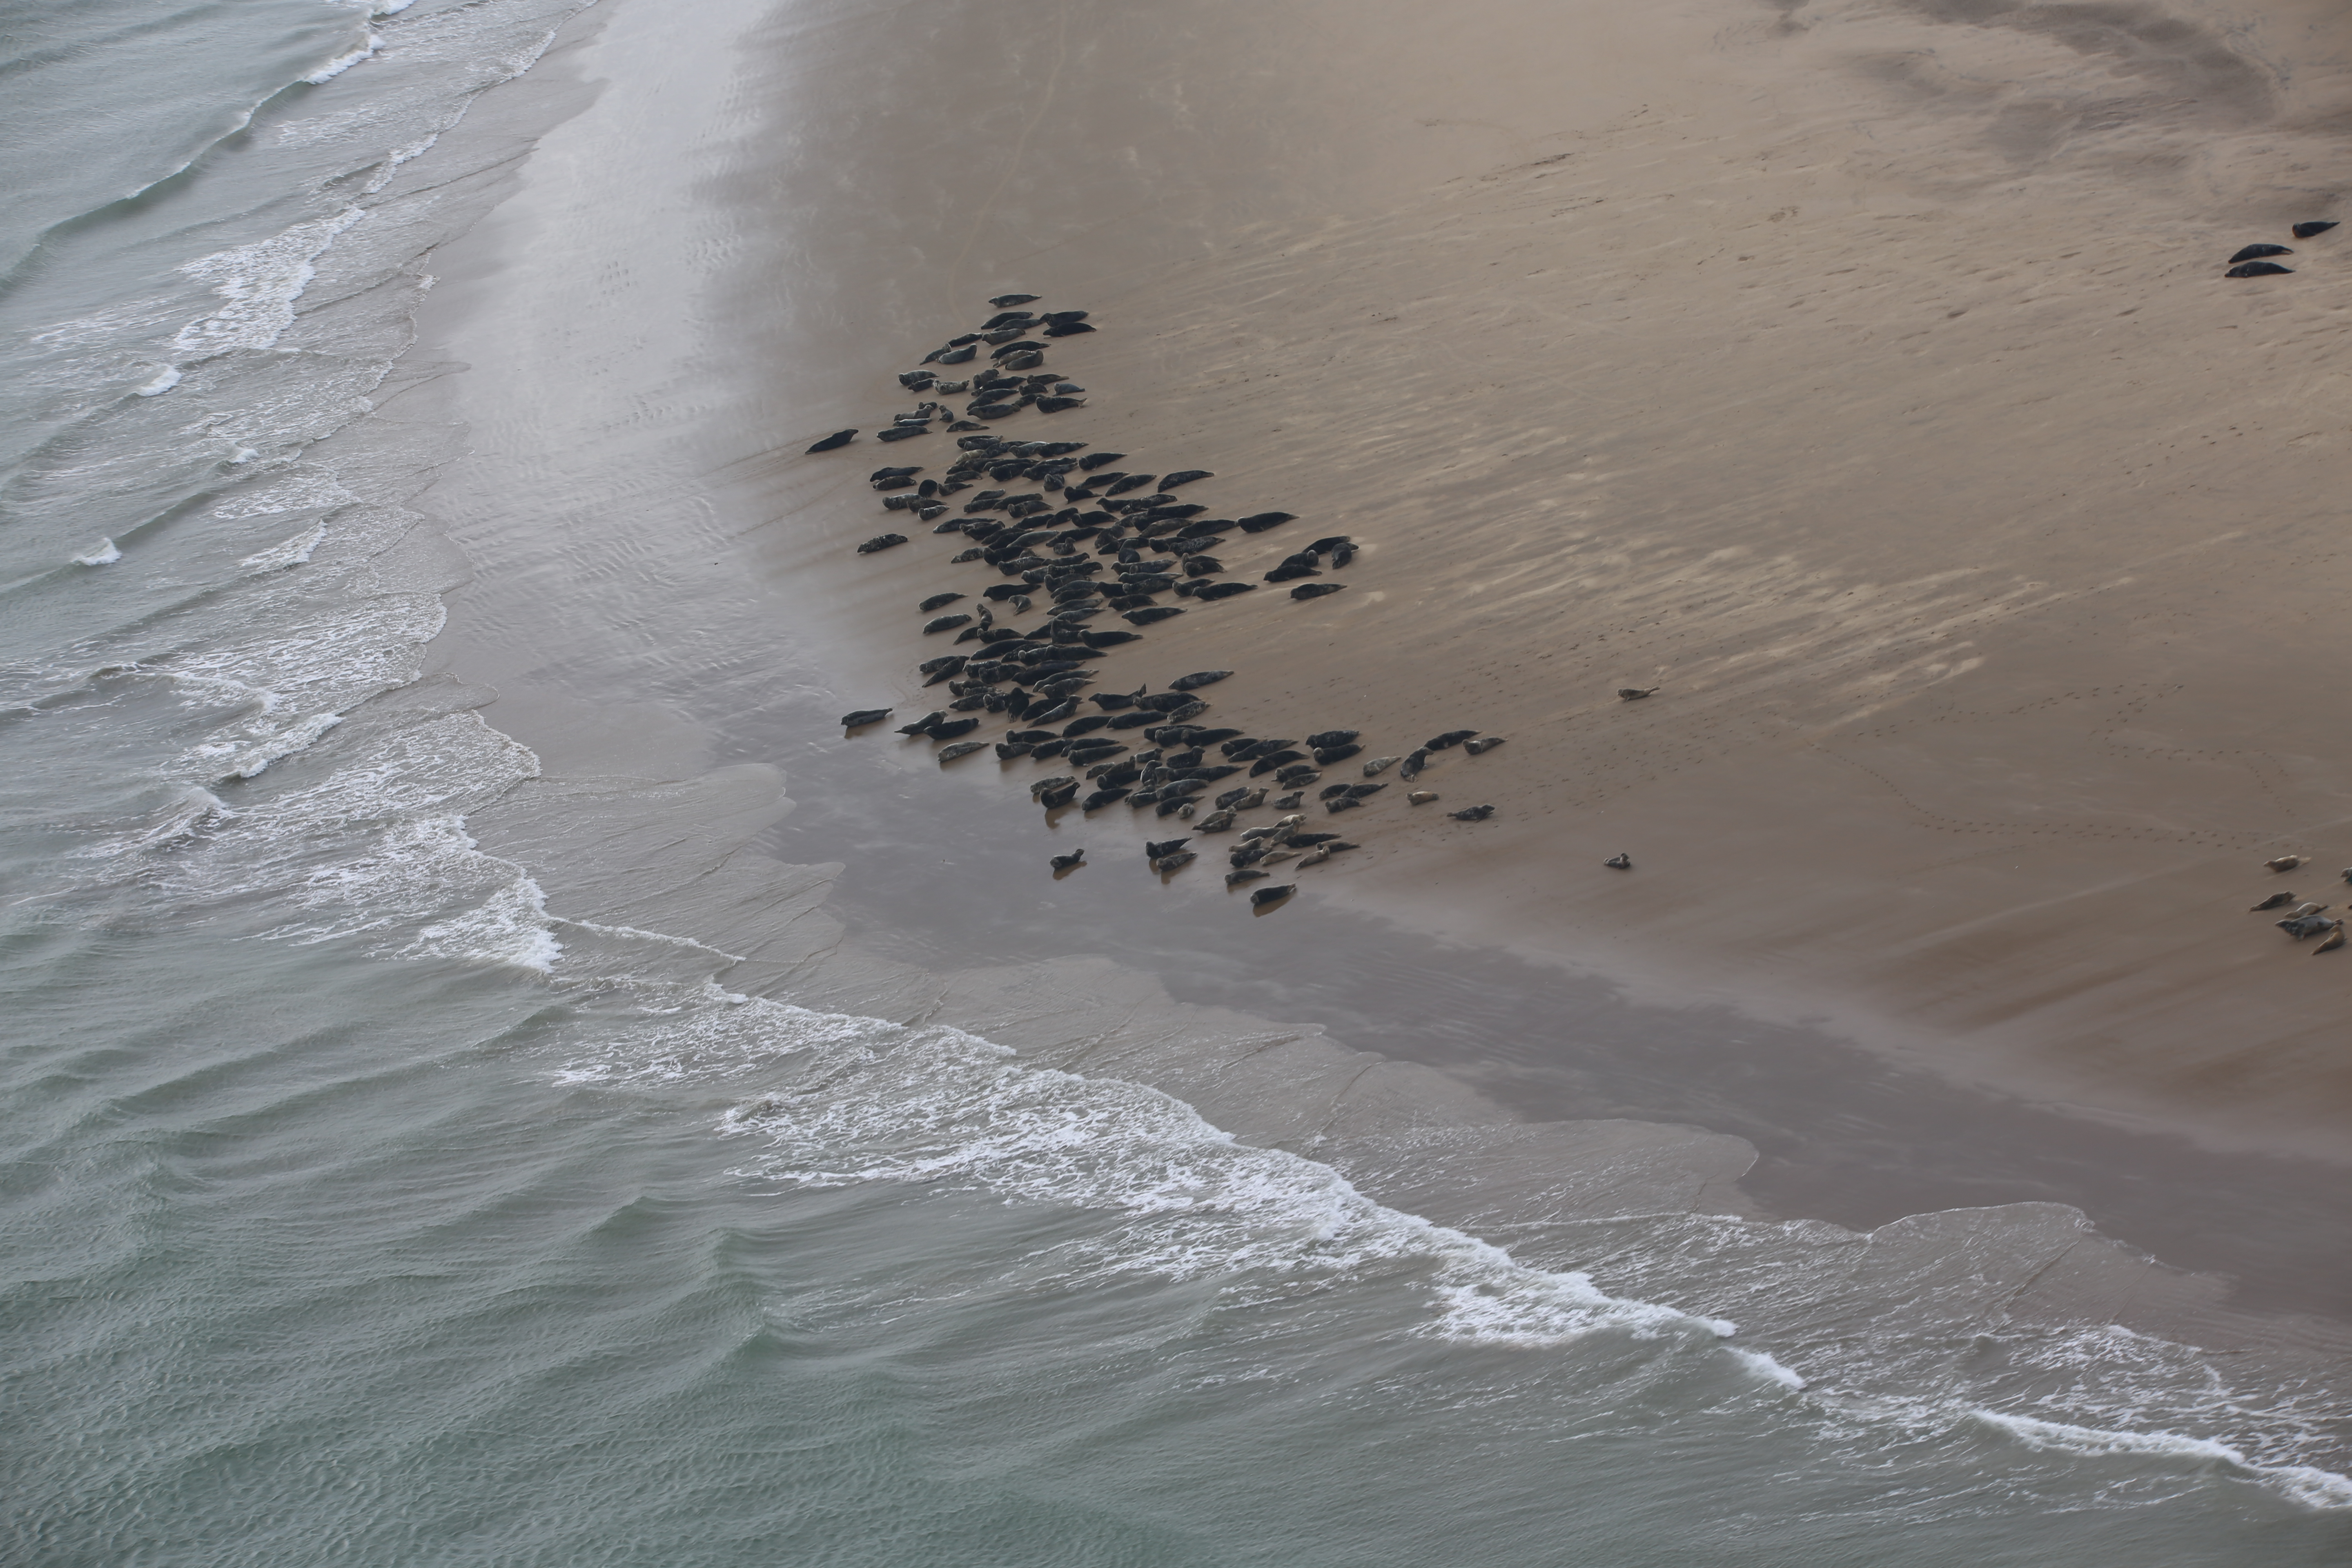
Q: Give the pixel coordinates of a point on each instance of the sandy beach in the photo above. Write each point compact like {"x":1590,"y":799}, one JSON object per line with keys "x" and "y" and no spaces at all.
{"x":1861,"y":379}
{"x":1870,"y":390}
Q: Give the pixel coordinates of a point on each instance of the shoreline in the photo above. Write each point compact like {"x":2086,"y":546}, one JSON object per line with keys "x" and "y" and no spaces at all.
{"x":654,"y":698}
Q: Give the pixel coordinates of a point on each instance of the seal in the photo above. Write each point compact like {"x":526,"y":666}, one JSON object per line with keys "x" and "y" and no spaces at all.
{"x":1184,"y":477}
{"x":881,"y":541}
{"x":1151,"y":617}
{"x":1620,"y":861}
{"x":839,"y":438}
{"x":1482,"y":744}
{"x":1247,"y":874}
{"x":961,"y":749}
{"x":1065,"y":864}
{"x":1374,"y":765}
{"x":1169,"y":865}
{"x":2252,"y":252}
{"x":1414,"y":764}
{"x":2287,"y":863}
{"x":2319,"y":225}
{"x":864,"y":716}
{"x":1323,"y":739}
{"x":1422,"y":796}
{"x":936,"y":602}
{"x":2334,"y":940}
{"x":1472,"y":813}
{"x":2251,"y":269}
{"x":1450,"y":738}
{"x":923,"y":726}
{"x":2276,"y":900}
{"x":1055,"y":799}
{"x":1634,"y":693}
{"x":1197,"y":679}
{"x":1314,"y":590}
{"x":1225,"y":590}
{"x":1006,"y":302}
{"x":1264,"y":899}
{"x":945,"y":624}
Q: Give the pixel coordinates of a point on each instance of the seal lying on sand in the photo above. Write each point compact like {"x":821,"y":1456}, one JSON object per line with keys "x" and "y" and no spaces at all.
{"x":839,"y":438}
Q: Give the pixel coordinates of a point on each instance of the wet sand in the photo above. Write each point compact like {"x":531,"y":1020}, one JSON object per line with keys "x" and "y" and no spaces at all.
{"x":1646,"y":356}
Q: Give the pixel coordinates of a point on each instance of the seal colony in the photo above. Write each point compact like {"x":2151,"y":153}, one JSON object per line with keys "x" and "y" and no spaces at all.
{"x":1087,"y":539}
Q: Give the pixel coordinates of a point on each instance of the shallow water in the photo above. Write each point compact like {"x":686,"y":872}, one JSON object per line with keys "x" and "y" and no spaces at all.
{"x":372,"y":1203}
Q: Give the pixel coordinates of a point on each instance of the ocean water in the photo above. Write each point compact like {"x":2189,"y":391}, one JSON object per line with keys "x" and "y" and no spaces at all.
{"x":366,"y":1205}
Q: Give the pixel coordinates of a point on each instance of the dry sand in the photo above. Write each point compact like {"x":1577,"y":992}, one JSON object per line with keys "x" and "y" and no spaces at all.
{"x":1860,"y":375}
